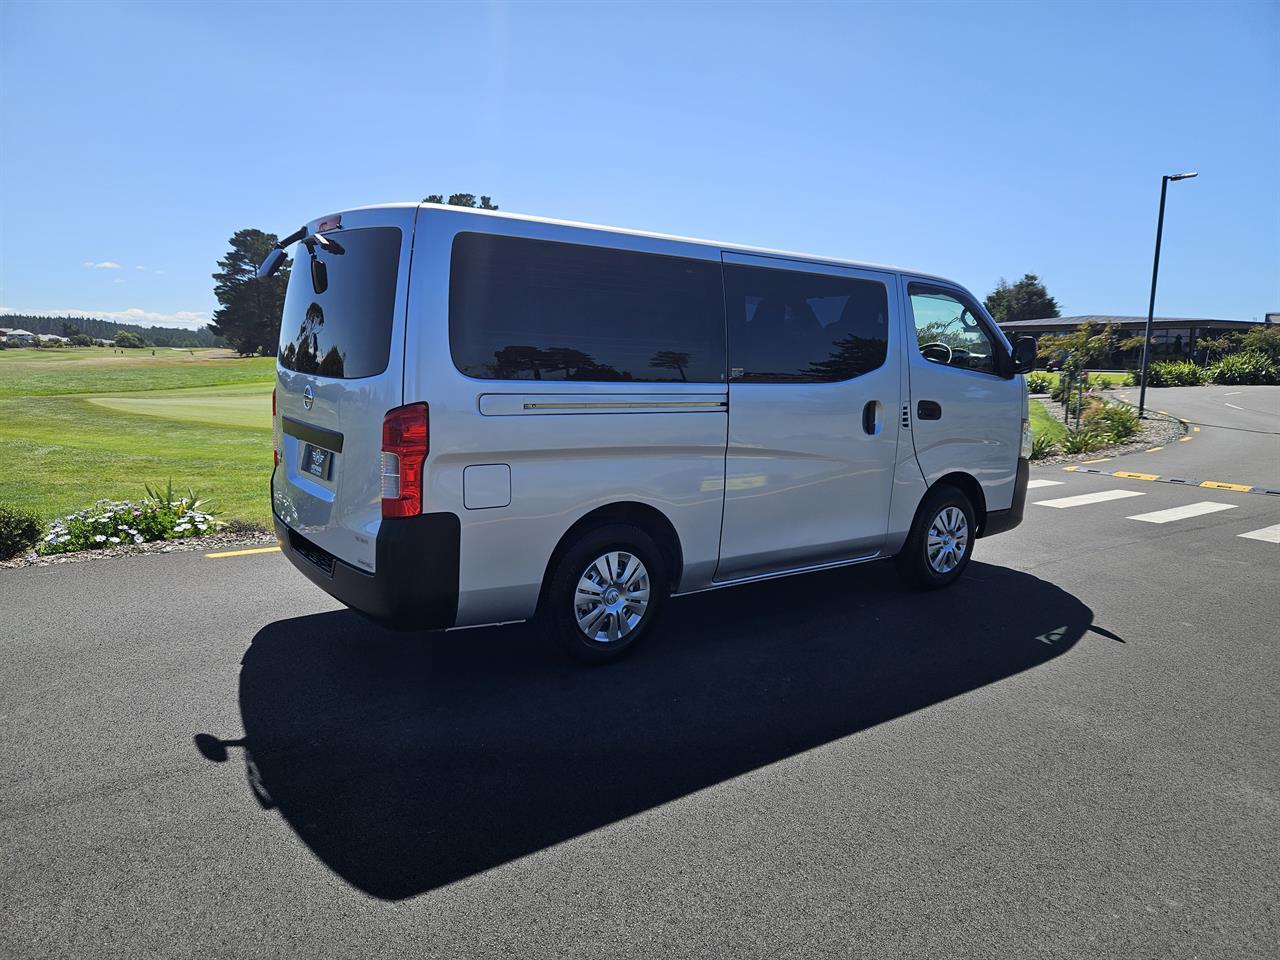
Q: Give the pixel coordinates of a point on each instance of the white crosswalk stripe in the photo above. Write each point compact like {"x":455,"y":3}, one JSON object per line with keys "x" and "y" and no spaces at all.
{"x":1185,"y":512}
{"x":1086,"y":498}
{"x":1032,"y":484}
{"x":1266,"y":534}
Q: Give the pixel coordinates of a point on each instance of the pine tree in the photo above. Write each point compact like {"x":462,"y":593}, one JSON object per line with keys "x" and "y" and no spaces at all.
{"x":250,"y":313}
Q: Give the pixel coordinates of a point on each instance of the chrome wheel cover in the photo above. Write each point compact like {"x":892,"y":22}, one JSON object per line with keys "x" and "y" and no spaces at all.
{"x":948,"y":539}
{"x":611,"y":597}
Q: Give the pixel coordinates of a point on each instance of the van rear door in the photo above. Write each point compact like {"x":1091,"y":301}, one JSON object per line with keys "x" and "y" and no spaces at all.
{"x":340,"y":368}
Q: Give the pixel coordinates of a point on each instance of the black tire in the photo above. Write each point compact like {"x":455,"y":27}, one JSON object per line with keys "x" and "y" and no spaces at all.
{"x":560,"y":609}
{"x":914,"y":562}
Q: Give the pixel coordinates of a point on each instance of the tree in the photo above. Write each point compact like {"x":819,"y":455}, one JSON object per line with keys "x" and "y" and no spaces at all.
{"x":462,"y":200}
{"x":250,"y":314}
{"x":132,"y":341}
{"x":1025,"y":300}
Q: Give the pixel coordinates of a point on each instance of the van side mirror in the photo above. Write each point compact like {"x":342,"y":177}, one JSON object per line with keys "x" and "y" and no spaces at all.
{"x":1024,"y":354}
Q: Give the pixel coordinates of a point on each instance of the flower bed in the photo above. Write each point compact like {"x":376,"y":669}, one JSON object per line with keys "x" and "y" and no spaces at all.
{"x":109,"y":523}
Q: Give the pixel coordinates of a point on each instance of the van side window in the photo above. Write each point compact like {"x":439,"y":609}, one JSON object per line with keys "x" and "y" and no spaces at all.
{"x":950,"y":331}
{"x":523,"y":309}
{"x":789,"y":326}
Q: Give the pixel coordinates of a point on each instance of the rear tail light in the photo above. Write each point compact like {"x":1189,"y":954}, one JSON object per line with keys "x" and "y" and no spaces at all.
{"x":275,"y":433}
{"x":405,"y":442}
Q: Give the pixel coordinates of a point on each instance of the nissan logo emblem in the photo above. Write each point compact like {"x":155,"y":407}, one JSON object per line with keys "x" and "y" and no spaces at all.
{"x":308,"y":398}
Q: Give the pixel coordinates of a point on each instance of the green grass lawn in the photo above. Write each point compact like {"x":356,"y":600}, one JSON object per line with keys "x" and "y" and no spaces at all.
{"x":48,"y":372}
{"x":76,"y":425}
{"x":1115,"y":377}
{"x":1043,"y":422}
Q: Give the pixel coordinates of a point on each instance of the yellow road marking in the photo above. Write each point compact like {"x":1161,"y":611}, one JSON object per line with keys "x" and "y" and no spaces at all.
{"x":241,"y":553}
{"x":1196,"y":429}
{"x":1098,"y":460}
{"x":1165,"y":412}
{"x":1183,"y":439}
{"x":1128,"y":475}
{"x":1154,"y":449}
{"x":1218,"y":485}
{"x":1071,"y":469}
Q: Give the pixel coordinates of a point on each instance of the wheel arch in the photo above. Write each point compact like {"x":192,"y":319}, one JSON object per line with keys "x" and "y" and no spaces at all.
{"x":972,"y":489}
{"x":645,"y":516}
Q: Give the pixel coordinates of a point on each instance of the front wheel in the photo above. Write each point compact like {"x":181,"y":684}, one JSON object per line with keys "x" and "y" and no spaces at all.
{"x":941,"y":540}
{"x":605,"y":593}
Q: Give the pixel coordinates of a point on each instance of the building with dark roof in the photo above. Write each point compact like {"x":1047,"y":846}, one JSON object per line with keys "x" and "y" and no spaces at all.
{"x":1172,"y":338}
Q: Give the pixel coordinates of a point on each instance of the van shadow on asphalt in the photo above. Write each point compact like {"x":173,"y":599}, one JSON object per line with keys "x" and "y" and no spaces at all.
{"x":406,"y":762}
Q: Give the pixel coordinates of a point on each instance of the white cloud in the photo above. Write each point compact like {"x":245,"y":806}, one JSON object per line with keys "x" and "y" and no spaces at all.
{"x":190,"y":319}
{"x":103,"y":265}
{"x":139,"y":268}
{"x":118,"y":280}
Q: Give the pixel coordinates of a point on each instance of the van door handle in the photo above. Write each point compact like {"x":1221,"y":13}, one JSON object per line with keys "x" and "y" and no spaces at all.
{"x":871,"y":417}
{"x":928,"y":410}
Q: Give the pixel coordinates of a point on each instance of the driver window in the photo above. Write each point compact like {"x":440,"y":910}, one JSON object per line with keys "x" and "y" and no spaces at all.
{"x":949,"y":332}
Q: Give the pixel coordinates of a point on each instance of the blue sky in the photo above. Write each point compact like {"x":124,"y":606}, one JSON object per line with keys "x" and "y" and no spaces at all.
{"x":972,"y":140}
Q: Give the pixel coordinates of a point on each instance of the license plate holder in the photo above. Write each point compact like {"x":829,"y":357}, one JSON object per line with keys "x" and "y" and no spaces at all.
{"x":316,"y":461}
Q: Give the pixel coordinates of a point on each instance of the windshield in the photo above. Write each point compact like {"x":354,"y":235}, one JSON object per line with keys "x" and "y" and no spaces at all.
{"x":339,"y":305}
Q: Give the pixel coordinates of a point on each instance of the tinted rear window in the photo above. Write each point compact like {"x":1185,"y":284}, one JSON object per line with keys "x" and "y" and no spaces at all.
{"x":345,"y":330}
{"x":788,"y":326}
{"x":538,"y":310}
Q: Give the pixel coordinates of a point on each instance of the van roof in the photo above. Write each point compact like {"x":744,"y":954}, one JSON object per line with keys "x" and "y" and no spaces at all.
{"x":737,"y":247}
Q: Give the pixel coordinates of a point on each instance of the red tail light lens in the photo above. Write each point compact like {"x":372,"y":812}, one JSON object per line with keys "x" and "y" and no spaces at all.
{"x":405,"y":443}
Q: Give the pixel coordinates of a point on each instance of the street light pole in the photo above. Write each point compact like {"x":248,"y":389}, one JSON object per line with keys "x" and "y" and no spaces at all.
{"x":1151,"y":304}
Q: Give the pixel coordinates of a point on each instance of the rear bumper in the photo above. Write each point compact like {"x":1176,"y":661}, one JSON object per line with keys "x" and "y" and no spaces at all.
{"x":1000,"y":521}
{"x":416,"y":583}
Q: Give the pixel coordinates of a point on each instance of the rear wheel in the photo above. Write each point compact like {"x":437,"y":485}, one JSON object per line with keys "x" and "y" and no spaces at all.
{"x":941,"y":540}
{"x":605,"y":593}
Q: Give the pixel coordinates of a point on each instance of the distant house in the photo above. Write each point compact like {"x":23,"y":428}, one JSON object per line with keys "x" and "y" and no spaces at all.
{"x":52,"y":338}
{"x":12,"y":335}
{"x":1172,"y":338}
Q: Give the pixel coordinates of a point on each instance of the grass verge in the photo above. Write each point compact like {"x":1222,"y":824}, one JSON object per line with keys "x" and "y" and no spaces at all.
{"x":79,"y":425}
{"x":1044,"y":423}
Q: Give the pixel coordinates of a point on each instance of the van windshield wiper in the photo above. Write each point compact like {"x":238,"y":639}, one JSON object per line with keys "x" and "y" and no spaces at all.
{"x":277,"y":255}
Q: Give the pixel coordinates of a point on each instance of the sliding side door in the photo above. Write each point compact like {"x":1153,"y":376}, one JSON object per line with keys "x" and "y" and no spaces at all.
{"x":813,"y":413}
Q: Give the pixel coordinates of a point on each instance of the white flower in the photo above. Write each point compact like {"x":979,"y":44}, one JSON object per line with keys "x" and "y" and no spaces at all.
{"x":98,"y":538}
{"x":115,"y":539}
{"x":137,"y":538}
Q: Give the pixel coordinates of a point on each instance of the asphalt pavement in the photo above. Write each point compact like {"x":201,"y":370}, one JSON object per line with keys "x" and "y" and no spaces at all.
{"x":1071,"y":753}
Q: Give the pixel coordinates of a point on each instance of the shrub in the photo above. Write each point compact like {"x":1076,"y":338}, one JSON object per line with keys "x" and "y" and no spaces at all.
{"x":1119,"y":421}
{"x":1174,"y":373}
{"x":1248,"y":367}
{"x":1132,"y":378}
{"x":1039,"y":382}
{"x":1042,"y":446}
{"x":109,"y":523}
{"x":1264,"y":339}
{"x":19,"y":531}
{"x":1084,"y":440}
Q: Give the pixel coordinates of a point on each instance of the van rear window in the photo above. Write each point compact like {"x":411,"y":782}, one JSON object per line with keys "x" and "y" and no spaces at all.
{"x":338,"y":316}
{"x":524,"y":309}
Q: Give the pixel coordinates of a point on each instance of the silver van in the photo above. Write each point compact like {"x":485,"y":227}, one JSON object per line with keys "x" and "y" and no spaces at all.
{"x":482,"y":417}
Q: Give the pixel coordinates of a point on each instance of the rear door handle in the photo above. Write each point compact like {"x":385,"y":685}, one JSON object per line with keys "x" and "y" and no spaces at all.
{"x":928,"y":410}
{"x":871,"y":417}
